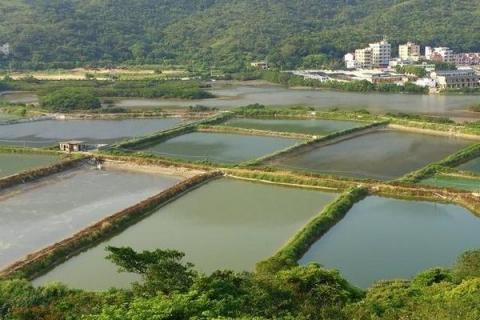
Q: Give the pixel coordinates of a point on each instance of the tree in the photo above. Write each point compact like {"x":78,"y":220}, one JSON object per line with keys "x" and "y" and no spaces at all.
{"x":161,"y":270}
{"x":69,"y":99}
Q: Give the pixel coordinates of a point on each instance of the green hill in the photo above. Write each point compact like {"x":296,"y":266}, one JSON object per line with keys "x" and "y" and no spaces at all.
{"x":223,"y":33}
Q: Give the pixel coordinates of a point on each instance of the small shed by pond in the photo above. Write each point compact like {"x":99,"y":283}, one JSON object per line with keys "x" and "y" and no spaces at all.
{"x":73,"y":146}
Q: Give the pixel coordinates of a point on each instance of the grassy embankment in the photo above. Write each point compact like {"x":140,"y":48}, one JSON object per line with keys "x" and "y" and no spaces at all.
{"x":117,"y":88}
{"x":299,"y":244}
{"x":35,"y":174}
{"x":253,"y":132}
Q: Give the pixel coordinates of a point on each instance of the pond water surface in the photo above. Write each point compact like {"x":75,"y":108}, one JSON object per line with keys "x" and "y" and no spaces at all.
{"x":38,"y":214}
{"x":314,"y":126}
{"x":219,"y":147}
{"x":12,"y":163}
{"x":242,"y":94}
{"x":236,"y":94}
{"x":446,"y":181}
{"x":472,"y":165}
{"x":383,"y":154}
{"x":225,"y":224}
{"x":383,"y":238}
{"x":48,"y":132}
{"x":20,"y":97}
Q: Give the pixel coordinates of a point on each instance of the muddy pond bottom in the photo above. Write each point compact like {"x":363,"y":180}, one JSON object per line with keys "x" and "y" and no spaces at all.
{"x":37,"y":214}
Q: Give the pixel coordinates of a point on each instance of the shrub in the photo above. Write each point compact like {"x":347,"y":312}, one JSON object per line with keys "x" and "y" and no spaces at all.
{"x":69,"y":99}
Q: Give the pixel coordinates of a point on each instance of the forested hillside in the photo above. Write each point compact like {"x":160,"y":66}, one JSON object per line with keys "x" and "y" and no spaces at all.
{"x":223,"y":33}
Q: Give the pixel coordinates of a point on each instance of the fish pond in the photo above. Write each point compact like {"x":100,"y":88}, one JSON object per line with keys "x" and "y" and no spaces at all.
{"x":472,"y":165}
{"x":12,"y":163}
{"x":40,"y":213}
{"x":313,"y":126}
{"x":382,"y":154}
{"x":451,"y":181}
{"x":382,"y":238}
{"x":219,"y":147}
{"x":21,"y":97}
{"x":235,"y":94}
{"x":48,"y":132}
{"x":225,"y":224}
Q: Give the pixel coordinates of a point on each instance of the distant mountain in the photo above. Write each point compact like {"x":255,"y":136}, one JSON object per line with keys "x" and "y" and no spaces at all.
{"x":223,"y":33}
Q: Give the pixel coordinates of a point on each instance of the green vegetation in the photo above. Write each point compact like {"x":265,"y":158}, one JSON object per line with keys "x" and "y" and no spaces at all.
{"x":412,"y":70}
{"x":300,"y":292}
{"x":69,"y":99}
{"x":419,"y":117}
{"x":225,"y":33}
{"x":118,"y":88}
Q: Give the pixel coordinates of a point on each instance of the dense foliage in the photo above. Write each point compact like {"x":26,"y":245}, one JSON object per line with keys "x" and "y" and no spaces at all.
{"x":412,"y":70}
{"x":69,"y":99}
{"x":171,"y":290}
{"x":225,"y":34}
{"x":118,"y":88}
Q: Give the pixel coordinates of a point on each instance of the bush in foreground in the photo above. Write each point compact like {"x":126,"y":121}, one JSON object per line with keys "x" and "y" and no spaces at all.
{"x":171,"y":290}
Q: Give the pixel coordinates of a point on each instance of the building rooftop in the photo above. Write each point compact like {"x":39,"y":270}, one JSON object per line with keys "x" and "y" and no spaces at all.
{"x":73,"y":142}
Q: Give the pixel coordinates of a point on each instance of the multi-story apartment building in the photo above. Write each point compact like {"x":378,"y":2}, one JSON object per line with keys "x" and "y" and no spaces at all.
{"x":364,"y":58}
{"x":442,"y":54}
{"x":409,"y":51}
{"x":377,"y":54}
{"x":381,"y":53}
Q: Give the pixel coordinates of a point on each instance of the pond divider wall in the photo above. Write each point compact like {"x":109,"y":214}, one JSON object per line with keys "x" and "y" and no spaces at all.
{"x":45,"y":259}
{"x":466,"y":199}
{"x":300,"y":243}
{"x":320,"y":141}
{"x":292,"y":179}
{"x":35,"y":174}
{"x":443,"y":129}
{"x":155,"y":138}
{"x":254,"y":132}
{"x":28,"y":150}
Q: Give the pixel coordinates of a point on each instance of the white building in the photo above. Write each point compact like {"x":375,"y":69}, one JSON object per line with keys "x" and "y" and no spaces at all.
{"x":443,"y":54}
{"x":428,"y":53}
{"x":364,"y":58}
{"x":409,"y":51}
{"x":349,"y":59}
{"x":381,"y":53}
